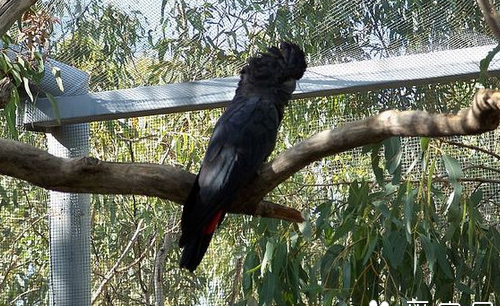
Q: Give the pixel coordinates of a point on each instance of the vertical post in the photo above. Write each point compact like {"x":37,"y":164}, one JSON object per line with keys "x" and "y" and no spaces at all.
{"x":69,"y":221}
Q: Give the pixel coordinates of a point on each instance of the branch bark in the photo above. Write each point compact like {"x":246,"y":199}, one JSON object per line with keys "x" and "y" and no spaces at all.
{"x":482,"y":116}
{"x":10,"y":11}
{"x":89,"y":175}
{"x":161,"y":254}
{"x":491,"y":17}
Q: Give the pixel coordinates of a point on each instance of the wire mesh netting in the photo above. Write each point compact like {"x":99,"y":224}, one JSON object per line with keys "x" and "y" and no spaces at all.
{"x":125,"y":44}
{"x":167,"y":42}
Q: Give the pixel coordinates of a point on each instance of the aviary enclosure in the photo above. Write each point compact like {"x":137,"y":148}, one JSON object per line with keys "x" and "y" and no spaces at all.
{"x":398,"y":206}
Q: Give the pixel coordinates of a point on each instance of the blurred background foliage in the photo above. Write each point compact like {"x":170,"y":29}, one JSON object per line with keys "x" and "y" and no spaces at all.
{"x":407,"y":218}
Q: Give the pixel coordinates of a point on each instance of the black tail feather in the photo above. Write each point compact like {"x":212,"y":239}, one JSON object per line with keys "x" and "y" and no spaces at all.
{"x":194,"y":250}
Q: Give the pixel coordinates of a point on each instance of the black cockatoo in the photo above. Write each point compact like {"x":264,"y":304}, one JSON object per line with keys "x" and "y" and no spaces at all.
{"x":243,"y":138}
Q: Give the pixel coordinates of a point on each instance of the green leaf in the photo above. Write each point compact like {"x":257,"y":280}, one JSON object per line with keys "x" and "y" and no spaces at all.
{"x":377,"y":170}
{"x":17,"y":76}
{"x":329,"y":271}
{"x":370,"y":247}
{"x":347,"y":225}
{"x":267,"y":290}
{"x":476,"y":197}
{"x":394,"y":248}
{"x":40,"y":66}
{"x":463,"y":288}
{"x":57,"y":74}
{"x":279,"y":257}
{"x":55,"y":107}
{"x":424,"y":143}
{"x":358,"y":196}
{"x":393,"y":154}
{"x":429,"y":251}
{"x":21,"y":61}
{"x":268,"y":255}
{"x":329,"y":296}
{"x":292,"y":273}
{"x":322,"y":222}
{"x":26,"y":83}
{"x":4,"y":63}
{"x":14,"y":95}
{"x":443,"y":263}
{"x":251,"y":262}
{"x":453,"y":169}
{"x":408,"y":209}
{"x":470,"y":230}
{"x":10,"y":116}
{"x":388,"y":250}
{"x":454,"y":198}
{"x":346,"y":274}
{"x":328,"y":268}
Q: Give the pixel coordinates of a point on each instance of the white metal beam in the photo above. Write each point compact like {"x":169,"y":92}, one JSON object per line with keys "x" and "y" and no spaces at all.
{"x":426,"y":68}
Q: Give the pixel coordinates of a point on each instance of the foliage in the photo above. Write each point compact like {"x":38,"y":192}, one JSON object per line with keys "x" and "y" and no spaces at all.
{"x":373,"y":231}
{"x":102,"y":44}
{"x":390,"y":239}
{"x":24,"y":261}
{"x":23,"y":215}
{"x":22,"y":62}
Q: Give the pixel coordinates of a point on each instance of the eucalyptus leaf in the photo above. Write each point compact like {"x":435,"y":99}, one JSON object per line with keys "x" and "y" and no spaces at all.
{"x":267,"y":290}
{"x":453,"y":168}
{"x":251,"y":262}
{"x":429,"y":251}
{"x":56,"y":71}
{"x":442,"y":260}
{"x":393,"y":154}
{"x":27,"y":88}
{"x":424,"y":143}
{"x":268,"y":255}
{"x":10,"y":116}
{"x":55,"y":107}
{"x":370,"y":249}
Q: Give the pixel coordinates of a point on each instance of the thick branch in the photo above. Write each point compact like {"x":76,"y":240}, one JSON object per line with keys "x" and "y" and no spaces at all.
{"x":491,"y":17}
{"x":10,"y":11}
{"x":90,"y":175}
{"x":481,"y":117}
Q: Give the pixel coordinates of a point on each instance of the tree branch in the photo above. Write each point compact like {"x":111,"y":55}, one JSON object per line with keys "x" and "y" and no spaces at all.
{"x":482,"y":116}
{"x":463,"y":145}
{"x":89,"y":175}
{"x":113,"y":270}
{"x":491,"y":17}
{"x":161,"y":254}
{"x":10,"y":11}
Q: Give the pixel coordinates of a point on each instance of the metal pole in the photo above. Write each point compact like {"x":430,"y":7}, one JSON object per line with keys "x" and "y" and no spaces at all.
{"x":69,"y":221}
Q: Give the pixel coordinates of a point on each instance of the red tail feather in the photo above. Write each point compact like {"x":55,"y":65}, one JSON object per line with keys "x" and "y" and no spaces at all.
{"x":212,"y":225}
